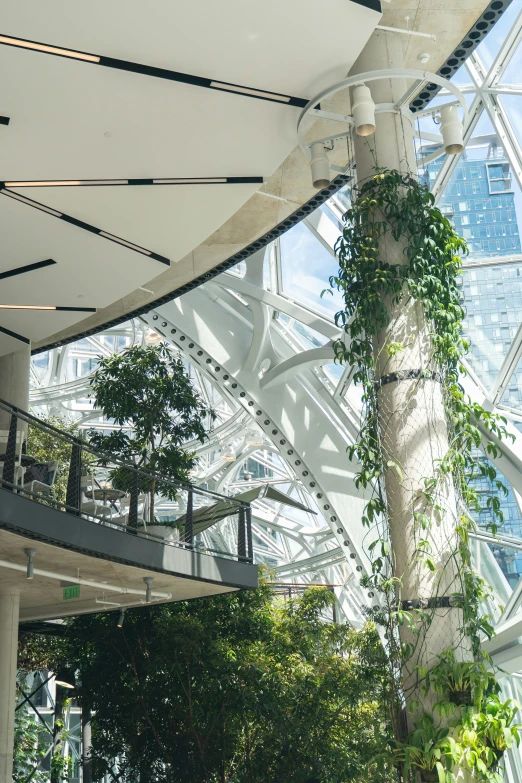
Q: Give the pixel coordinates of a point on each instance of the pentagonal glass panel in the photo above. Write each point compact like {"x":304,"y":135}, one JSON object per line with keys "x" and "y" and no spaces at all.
{"x":306,"y":266}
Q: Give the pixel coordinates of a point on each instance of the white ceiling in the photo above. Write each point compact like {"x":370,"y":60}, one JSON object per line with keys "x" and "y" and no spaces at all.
{"x":78,"y":120}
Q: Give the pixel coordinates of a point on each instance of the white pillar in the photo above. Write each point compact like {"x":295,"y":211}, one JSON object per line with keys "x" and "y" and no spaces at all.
{"x":411,"y":412}
{"x":9,"y":608}
{"x":14,"y":384}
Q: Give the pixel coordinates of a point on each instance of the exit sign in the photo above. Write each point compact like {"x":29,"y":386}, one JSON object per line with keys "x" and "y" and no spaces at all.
{"x":71,"y":592}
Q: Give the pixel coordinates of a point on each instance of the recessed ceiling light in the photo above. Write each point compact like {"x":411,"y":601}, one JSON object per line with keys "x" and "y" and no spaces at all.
{"x":192,"y":181}
{"x":62,"y":183}
{"x":124,"y":242}
{"x":249,"y":91}
{"x":39,"y":47}
{"x":48,"y":307}
{"x":27,"y":307}
{"x":31,"y":203}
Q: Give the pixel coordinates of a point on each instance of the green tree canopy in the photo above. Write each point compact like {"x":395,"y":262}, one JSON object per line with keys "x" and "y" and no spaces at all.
{"x":239,"y":687}
{"x":147,"y":390}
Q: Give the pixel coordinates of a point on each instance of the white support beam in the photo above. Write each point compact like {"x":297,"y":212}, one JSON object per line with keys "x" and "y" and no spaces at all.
{"x":507,"y":369}
{"x":286,"y":369}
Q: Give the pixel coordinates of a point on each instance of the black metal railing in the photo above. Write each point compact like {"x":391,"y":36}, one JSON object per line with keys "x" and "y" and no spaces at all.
{"x":77,"y":479}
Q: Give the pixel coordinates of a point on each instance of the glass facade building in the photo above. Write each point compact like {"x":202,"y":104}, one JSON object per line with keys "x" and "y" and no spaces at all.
{"x":480,"y":201}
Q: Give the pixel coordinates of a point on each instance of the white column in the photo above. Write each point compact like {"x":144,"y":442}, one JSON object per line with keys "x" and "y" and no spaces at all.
{"x":9,"y":608}
{"x":14,"y":384}
{"x":411,"y":412}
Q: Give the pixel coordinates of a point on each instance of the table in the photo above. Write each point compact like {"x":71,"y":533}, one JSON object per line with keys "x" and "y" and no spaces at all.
{"x":105,"y":494}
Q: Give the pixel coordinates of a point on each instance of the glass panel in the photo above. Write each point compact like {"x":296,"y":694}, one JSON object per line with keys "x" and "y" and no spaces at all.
{"x":509,"y":560}
{"x":334,"y":371}
{"x":512,"y":74}
{"x":306,"y":266}
{"x":512,"y":397}
{"x":492,"y":296}
{"x":238,"y":270}
{"x":491,"y":44}
{"x":488,"y":568}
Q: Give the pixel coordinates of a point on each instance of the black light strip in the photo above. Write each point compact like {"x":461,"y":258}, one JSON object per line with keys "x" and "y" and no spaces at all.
{"x":150,"y":70}
{"x":15,"y":335}
{"x":76,"y":309}
{"x":21,"y":270}
{"x":5,"y":120}
{"x":469,"y":43}
{"x":68,"y":183}
{"x":81,"y":224}
{"x":296,"y":217}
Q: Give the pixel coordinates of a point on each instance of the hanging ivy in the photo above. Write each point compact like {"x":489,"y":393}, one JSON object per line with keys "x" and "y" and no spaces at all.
{"x":466,"y":723}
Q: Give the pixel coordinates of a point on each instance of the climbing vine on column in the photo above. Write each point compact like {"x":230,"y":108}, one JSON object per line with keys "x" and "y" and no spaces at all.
{"x":459,"y":720}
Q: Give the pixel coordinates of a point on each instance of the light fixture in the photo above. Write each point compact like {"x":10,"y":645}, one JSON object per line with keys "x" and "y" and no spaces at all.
{"x":192,"y":181}
{"x":228,"y":453}
{"x":48,"y":307}
{"x":30,"y":554}
{"x":31,"y":203}
{"x":148,"y":595}
{"x":363,"y":109}
{"x":272,"y":96}
{"x":65,"y":677}
{"x":64,"y":183}
{"x":319,"y":165}
{"x":451,"y":129}
{"x":26,"y":307}
{"x":39,"y":47}
{"x":124,"y":242}
{"x":153,"y":338}
{"x":254,"y":438}
{"x":121,"y":618}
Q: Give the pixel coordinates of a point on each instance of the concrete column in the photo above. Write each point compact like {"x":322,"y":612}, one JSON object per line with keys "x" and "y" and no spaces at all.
{"x":86,"y":745}
{"x":411,"y":412}
{"x":9,"y":608}
{"x":14,"y":381}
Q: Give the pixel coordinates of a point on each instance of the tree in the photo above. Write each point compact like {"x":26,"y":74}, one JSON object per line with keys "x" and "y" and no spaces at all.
{"x":241,"y":687}
{"x":147,"y":391}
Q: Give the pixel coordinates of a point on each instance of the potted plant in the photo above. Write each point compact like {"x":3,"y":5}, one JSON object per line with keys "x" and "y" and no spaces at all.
{"x":147,"y":391}
{"x":462,"y":683}
{"x":428,"y":750}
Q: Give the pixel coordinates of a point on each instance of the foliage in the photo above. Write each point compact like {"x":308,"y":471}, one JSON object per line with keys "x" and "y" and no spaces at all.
{"x":46,"y":446}
{"x":460,"y":682}
{"x":428,"y":750}
{"x":241,"y":687}
{"x":487,"y":734}
{"x":148,"y":390}
{"x":30,"y":742}
{"x":394,"y":210}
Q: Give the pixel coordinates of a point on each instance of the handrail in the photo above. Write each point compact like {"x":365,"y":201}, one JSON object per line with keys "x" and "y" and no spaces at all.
{"x":111,"y":458}
{"x":224,"y":506}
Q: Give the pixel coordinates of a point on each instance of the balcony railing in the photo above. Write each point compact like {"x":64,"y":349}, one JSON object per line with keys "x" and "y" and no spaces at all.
{"x":99,"y":487}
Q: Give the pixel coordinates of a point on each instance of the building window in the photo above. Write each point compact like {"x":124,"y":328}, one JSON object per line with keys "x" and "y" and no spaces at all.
{"x":499,"y":177}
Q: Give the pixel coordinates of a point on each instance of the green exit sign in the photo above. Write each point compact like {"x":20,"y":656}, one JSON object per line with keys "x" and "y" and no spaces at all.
{"x":71,"y":592}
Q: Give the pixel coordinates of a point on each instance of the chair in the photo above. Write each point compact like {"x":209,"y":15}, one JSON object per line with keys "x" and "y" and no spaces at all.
{"x":90,"y":506}
{"x":39,"y":478}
